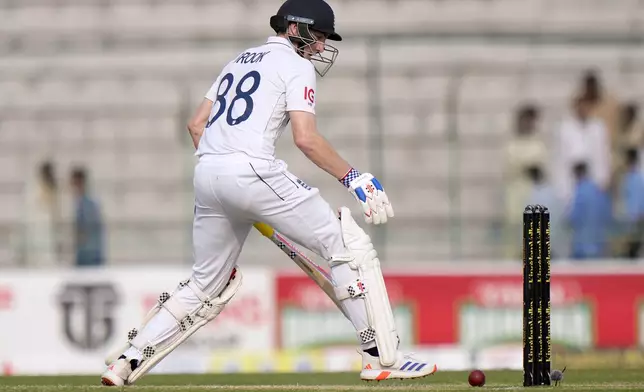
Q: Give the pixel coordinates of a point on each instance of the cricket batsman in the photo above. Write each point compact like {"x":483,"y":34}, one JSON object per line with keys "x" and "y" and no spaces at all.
{"x":238,"y":181}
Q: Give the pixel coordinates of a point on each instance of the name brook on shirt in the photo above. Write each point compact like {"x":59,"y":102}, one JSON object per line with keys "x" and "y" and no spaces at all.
{"x":251,"y":58}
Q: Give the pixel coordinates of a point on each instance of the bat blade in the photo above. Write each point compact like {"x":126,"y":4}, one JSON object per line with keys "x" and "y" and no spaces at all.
{"x":313,"y":270}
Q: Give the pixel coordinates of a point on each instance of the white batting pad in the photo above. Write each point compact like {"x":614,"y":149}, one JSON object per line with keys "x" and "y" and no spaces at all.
{"x":371,"y":286}
{"x":186,"y":324}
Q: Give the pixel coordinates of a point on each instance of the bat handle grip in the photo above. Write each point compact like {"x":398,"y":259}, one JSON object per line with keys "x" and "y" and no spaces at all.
{"x":266,"y":230}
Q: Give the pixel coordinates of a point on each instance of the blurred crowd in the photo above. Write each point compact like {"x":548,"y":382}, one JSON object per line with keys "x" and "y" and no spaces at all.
{"x":46,"y":240}
{"x":587,"y":171}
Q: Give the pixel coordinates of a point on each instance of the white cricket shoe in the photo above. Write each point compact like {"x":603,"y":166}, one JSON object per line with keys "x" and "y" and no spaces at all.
{"x":117,"y":373}
{"x":406,"y":367}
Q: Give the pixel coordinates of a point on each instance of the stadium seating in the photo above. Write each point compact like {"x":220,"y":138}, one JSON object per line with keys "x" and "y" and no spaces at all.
{"x":433,"y":84}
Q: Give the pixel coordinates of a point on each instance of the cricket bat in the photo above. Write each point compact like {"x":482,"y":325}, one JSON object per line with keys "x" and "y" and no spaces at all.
{"x":314,"y":271}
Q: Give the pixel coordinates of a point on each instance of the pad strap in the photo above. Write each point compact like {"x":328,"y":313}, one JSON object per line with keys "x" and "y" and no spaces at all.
{"x":200,"y":294}
{"x":176,"y":309}
{"x":355,"y":289}
{"x":367,"y":335}
{"x":341,"y":259}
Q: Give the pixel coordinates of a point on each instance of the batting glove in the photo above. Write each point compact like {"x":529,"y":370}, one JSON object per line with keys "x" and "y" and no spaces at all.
{"x":371,"y":196}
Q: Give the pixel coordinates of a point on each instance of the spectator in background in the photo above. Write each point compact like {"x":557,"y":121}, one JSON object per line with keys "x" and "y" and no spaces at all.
{"x":581,"y":138}
{"x":632,"y":204}
{"x":603,"y":105}
{"x":630,"y":136}
{"x":88,"y":225}
{"x":526,"y":148}
{"x":631,"y":132}
{"x":543,"y":193}
{"x":41,"y":218}
{"x":589,"y":216}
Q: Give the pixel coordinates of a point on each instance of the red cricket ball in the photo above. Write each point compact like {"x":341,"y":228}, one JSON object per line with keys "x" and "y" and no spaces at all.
{"x":476,"y":378}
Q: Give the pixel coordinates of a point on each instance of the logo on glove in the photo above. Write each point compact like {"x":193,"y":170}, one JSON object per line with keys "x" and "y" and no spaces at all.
{"x":370,"y":188}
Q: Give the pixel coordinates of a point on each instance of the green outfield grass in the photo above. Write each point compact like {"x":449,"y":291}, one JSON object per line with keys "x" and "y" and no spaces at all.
{"x":591,"y":380}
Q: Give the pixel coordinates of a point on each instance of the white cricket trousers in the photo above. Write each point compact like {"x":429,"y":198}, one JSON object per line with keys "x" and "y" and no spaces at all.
{"x":231,"y":194}
{"x":230,"y":197}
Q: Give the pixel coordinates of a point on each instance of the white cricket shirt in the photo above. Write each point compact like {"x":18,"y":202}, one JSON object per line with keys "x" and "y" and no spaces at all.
{"x":252,"y":97}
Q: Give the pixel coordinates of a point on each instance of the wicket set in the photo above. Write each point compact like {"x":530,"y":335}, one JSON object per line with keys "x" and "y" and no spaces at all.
{"x":536,"y":296}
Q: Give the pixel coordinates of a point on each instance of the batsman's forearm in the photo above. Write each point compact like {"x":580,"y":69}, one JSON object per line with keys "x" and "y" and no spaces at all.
{"x":195,"y":141}
{"x":320,"y":152}
{"x":195,"y":134}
